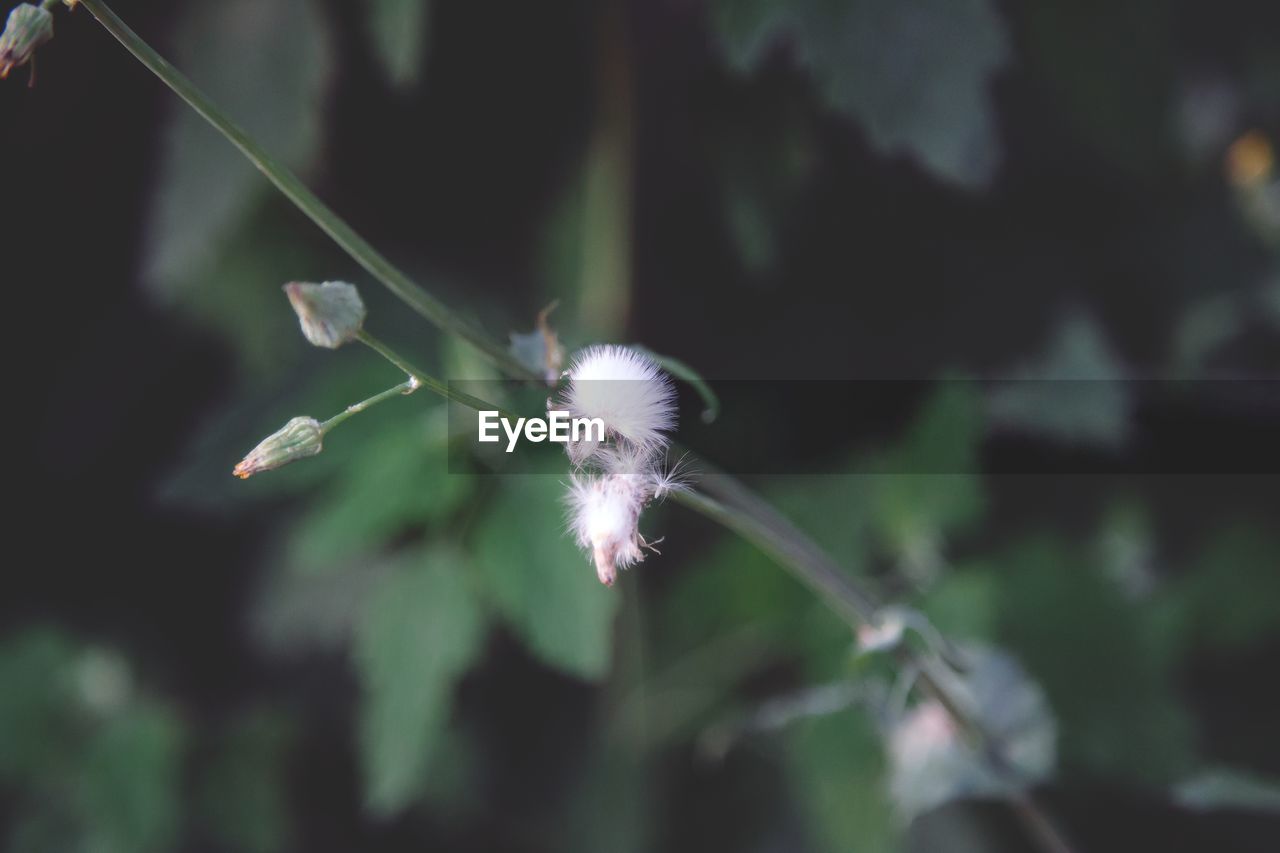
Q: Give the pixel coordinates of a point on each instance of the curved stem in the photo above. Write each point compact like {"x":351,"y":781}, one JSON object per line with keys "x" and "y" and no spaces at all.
{"x":307,"y":201}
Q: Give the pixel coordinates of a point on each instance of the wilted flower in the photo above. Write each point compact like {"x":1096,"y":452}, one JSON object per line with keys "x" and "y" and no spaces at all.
{"x":330,"y":313}
{"x":605,"y":514}
{"x":298,"y":439}
{"x":27,"y":28}
{"x":540,"y":350}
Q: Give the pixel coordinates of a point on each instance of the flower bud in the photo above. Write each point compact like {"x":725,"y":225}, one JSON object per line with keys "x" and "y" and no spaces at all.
{"x":298,"y":439}
{"x":330,"y":314}
{"x":28,"y":27}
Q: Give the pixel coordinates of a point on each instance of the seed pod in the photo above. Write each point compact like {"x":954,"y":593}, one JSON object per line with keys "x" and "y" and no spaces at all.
{"x":331,"y":313}
{"x":27,"y":28}
{"x":298,"y":439}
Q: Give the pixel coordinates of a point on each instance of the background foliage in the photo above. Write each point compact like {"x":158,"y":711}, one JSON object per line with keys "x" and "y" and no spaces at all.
{"x":368,"y":651}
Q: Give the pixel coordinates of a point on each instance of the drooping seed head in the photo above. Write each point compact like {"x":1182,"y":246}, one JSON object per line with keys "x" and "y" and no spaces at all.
{"x":604,"y":515}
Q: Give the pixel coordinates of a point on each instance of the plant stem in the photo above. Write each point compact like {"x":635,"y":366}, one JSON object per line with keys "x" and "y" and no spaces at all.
{"x":306,"y":201}
{"x":425,"y":379}
{"x":764,"y":527}
{"x":406,"y":387}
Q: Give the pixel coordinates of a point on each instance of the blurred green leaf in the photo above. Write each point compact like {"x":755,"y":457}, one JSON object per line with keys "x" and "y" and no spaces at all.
{"x":399,"y":480}
{"x":914,"y":75}
{"x":421,"y":630}
{"x":838,"y":770}
{"x":931,"y":489}
{"x":1075,"y":392}
{"x":236,"y":293}
{"x":1104,"y":660}
{"x":735,"y":587}
{"x":400,"y":29}
{"x":544,"y":588}
{"x":131,"y":782}
{"x":932,"y":764}
{"x":1225,"y":788}
{"x":965,"y":603}
{"x":36,"y":703}
{"x":1227,"y":601}
{"x":266,"y":65}
{"x":243,"y":793}
{"x":764,"y":161}
{"x":303,"y":612}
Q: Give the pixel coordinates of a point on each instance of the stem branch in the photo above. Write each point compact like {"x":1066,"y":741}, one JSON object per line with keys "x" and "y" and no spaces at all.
{"x":406,"y":387}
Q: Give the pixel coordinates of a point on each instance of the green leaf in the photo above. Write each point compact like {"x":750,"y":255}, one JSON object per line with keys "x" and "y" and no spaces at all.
{"x":1225,"y":788}
{"x":243,"y":792}
{"x":397,"y":480}
{"x":964,"y":603}
{"x":838,"y":770}
{"x":1083,"y":638}
{"x":931,"y":489}
{"x":763,"y":184}
{"x":131,"y":782}
{"x":544,"y":588}
{"x":400,"y":29}
{"x":915,"y":75}
{"x":35,"y":703}
{"x":266,"y":65}
{"x":419,"y":633}
{"x":237,"y":292}
{"x":932,"y":764}
{"x":1227,"y":602}
{"x":1074,"y":392}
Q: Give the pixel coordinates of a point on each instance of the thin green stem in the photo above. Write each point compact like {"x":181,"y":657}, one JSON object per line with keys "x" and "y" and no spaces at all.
{"x":425,"y":379}
{"x":406,"y":387}
{"x":307,"y":201}
{"x":728,"y":503}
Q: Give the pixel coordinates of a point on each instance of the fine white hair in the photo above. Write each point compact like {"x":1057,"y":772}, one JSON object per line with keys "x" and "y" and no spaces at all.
{"x":626,"y":390}
{"x":604,"y":516}
{"x":615,"y":479}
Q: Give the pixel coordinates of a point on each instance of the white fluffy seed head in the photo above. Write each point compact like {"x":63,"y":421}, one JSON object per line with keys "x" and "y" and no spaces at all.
{"x":604,"y":515}
{"x":649,"y":473}
{"x":628,"y":391}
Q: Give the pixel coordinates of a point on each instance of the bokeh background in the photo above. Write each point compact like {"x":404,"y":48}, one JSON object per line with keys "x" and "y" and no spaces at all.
{"x":367,"y":651}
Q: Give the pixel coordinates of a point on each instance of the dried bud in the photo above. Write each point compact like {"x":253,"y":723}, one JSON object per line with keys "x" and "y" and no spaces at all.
{"x":298,"y":439}
{"x":330,"y":314}
{"x":28,"y":27}
{"x":540,"y":350}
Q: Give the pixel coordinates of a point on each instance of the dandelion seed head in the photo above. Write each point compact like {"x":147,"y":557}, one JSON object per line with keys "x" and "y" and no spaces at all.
{"x":625,"y":389}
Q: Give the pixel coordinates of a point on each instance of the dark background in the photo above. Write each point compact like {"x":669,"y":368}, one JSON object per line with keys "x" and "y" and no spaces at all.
{"x":1099,"y":212}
